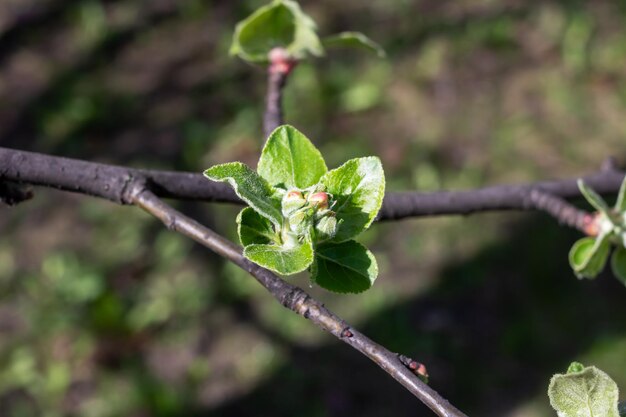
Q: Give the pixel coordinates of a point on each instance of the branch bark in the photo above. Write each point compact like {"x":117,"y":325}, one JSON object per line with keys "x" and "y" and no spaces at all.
{"x":281,"y":65}
{"x":110,"y":181}
{"x":295,"y":299}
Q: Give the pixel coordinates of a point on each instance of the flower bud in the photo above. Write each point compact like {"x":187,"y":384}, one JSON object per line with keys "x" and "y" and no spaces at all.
{"x":319,"y":199}
{"x":292,"y":201}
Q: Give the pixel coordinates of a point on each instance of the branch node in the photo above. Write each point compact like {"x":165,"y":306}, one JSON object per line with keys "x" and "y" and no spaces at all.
{"x":414,"y":366}
{"x":347,"y":333}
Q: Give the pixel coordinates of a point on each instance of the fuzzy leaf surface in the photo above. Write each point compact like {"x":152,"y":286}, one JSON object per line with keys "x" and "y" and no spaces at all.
{"x":280,"y":259}
{"x":254,"y":228}
{"x":353,"y":40}
{"x":589,"y":393}
{"x":358,"y":186}
{"x":250,"y":187}
{"x":346,"y":267}
{"x":290,"y":160}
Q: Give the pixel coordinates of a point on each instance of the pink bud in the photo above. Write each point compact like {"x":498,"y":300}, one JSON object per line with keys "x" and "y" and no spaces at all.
{"x":294,"y":195}
{"x":591,"y":224}
{"x":281,"y":61}
{"x":319,"y":199}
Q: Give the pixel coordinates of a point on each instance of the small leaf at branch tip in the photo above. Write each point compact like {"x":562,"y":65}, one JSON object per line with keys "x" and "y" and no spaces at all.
{"x":353,"y":40}
{"x":583,"y":392}
{"x":575,"y":367}
{"x":592,"y":197}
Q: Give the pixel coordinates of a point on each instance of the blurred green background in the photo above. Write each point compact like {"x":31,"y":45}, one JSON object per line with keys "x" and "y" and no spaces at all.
{"x":104,"y":313}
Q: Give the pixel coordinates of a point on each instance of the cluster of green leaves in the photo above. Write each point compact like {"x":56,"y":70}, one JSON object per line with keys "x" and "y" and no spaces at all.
{"x":588,"y":256}
{"x":302,"y":216}
{"x":585,"y":392}
{"x":283,"y":24}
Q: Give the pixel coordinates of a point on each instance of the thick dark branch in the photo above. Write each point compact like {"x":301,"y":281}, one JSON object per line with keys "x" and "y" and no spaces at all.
{"x":295,"y":299}
{"x":502,"y":197}
{"x":109,"y":182}
{"x":106,"y":181}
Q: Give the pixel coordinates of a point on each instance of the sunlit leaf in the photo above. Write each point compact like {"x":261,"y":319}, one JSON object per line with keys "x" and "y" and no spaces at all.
{"x":250,"y":187}
{"x":290,"y":160}
{"x":588,"y":393}
{"x":358,"y":186}
{"x":284,"y":260}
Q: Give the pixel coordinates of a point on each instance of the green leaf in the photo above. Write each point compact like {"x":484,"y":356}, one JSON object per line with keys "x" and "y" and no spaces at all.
{"x":589,"y":393}
{"x":346,"y":267}
{"x":618,"y":264}
{"x":620,"y":204}
{"x":593,"y":198}
{"x":281,"y":259}
{"x":250,"y":187}
{"x":290,"y":160}
{"x":278,"y":24}
{"x":575,"y":367}
{"x":588,"y":256}
{"x":358,"y":187}
{"x":353,"y":40}
{"x":254,"y":228}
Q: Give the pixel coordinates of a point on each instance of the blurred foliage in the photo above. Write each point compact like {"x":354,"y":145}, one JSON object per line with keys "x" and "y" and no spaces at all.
{"x":105,"y":313}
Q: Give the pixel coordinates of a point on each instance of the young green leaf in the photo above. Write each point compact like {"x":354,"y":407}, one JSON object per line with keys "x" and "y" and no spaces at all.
{"x":575,"y":367}
{"x":618,"y":264}
{"x":254,"y":228}
{"x":358,"y":187}
{"x":593,"y":198}
{"x":353,"y":40}
{"x":346,"y":267}
{"x":278,"y":24}
{"x":588,"y":256}
{"x":588,"y":393}
{"x":250,"y":187}
{"x":620,"y":204}
{"x":306,"y":40}
{"x":281,"y":259}
{"x":290,"y":160}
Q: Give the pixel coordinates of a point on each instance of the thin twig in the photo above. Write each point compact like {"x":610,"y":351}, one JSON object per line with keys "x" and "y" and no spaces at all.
{"x":561,"y":210}
{"x":106,"y":181}
{"x":295,"y":299}
{"x":279,"y":68}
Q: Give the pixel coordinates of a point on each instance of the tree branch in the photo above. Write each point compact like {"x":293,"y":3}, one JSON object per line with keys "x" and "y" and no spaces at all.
{"x":295,"y":299}
{"x":109,"y":182}
{"x":281,"y":65}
